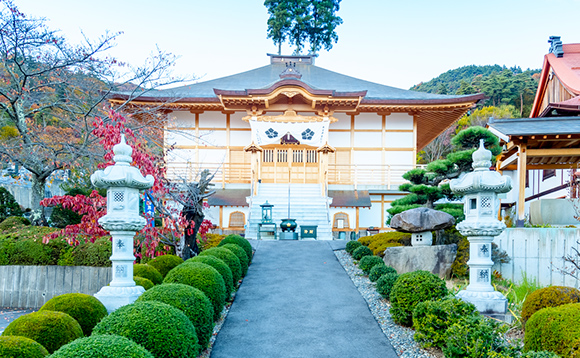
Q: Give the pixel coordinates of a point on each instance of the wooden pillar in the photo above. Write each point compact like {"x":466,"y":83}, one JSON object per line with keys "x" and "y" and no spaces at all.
{"x":323,"y":165}
{"x":221,"y":217}
{"x":255,"y":164}
{"x":522,"y":169}
{"x":357,"y":219}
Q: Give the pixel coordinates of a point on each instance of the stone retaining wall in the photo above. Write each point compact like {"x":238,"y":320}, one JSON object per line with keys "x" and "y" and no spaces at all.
{"x":32,"y":286}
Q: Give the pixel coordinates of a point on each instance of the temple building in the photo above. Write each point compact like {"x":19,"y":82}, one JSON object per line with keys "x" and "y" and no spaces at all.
{"x":323,"y":148}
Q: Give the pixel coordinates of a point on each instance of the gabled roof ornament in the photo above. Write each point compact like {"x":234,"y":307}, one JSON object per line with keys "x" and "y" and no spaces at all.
{"x":290,"y":71}
{"x":556,"y":46}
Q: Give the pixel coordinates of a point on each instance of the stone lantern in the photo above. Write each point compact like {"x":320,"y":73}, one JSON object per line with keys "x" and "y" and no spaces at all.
{"x":123,"y":183}
{"x":266,"y":213}
{"x":481,"y":205}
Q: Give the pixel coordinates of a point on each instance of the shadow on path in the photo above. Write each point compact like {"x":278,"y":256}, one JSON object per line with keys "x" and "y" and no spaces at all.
{"x":297,"y":301}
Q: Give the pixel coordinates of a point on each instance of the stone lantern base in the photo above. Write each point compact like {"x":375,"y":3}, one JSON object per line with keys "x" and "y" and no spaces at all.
{"x":113,"y":297}
{"x":488,"y":303}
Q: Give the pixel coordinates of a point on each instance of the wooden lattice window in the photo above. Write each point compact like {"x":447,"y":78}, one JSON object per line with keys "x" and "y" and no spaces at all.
{"x":340,"y":221}
{"x":237,"y":219}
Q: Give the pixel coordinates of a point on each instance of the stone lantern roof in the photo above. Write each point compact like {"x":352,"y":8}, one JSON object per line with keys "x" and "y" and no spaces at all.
{"x":122,"y":174}
{"x":481,"y":179}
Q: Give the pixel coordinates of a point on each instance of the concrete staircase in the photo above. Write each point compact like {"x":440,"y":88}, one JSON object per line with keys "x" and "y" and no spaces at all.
{"x":307,"y":207}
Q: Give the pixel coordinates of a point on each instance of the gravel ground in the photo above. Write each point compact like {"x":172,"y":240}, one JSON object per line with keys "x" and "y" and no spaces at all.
{"x":400,"y":337}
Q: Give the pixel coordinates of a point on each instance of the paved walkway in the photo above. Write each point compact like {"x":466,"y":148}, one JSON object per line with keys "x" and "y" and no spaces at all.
{"x":297,"y":301}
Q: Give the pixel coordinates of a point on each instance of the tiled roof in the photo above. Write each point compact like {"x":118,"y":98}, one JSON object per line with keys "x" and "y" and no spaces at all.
{"x":229,"y":197}
{"x":536,"y":126}
{"x":350,"y":198}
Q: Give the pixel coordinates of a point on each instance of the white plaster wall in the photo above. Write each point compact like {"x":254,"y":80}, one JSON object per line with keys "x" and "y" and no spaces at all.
{"x":351,"y":215}
{"x":371,"y":217}
{"x":367,"y":157}
{"x":230,"y":209}
{"x":399,"y":158}
{"x":537,"y":253}
{"x":342,"y":123}
{"x":237,"y":122}
{"x":399,"y":121}
{"x":180,"y":137}
{"x":368,"y":139}
{"x":212,"y":155}
{"x":339,"y":139}
{"x":368,"y":121}
{"x":181,"y":119}
{"x":212,"y":120}
{"x":181,"y":155}
{"x":398,"y":140}
{"x":212,"y":214}
{"x":215,"y":138}
{"x":240,"y":138}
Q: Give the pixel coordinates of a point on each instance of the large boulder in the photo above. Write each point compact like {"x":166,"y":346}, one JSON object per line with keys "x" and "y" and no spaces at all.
{"x":421,"y":219}
{"x":435,"y":259}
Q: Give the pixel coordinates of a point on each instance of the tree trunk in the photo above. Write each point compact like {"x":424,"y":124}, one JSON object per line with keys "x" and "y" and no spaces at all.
{"x":279,"y":47}
{"x":38,"y":214}
{"x":190,"y":248}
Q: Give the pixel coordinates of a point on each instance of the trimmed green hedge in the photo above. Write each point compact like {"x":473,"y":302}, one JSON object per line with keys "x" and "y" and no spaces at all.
{"x":143,"y":282}
{"x":385,"y":284}
{"x":21,"y":347}
{"x":194,"y":303}
{"x":229,"y":258}
{"x":148,"y":272}
{"x":203,"y":277}
{"x":554,"y":329}
{"x":379,"y":270}
{"x":412,"y":288}
{"x":49,"y":328}
{"x":351,"y":246}
{"x":102,"y":346}
{"x":361,"y":252}
{"x":552,"y":296}
{"x":86,"y":309}
{"x":368,"y":262}
{"x":221,"y":267}
{"x":241,"y":242}
{"x":163,"y":330}
{"x":241,"y":254}
{"x":165,"y":263}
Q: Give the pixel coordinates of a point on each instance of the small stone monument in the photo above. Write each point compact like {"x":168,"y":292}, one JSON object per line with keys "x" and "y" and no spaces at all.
{"x":481,"y":204}
{"x":123,"y":183}
{"x":419,"y":222}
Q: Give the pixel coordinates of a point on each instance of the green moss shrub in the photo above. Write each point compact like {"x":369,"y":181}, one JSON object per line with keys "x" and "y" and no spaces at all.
{"x":95,"y":254}
{"x":148,"y":272}
{"x":431,"y":319}
{"x":459,"y":267}
{"x":194,"y":303}
{"x":24,"y":247}
{"x":241,"y":242}
{"x":368,"y":262}
{"x":351,"y":246}
{"x":203,"y":277}
{"x":165,"y":263}
{"x":554,"y":329}
{"x":385,"y":284}
{"x":210,"y":240}
{"x":21,"y":347}
{"x":241,"y":254}
{"x":378,"y":270}
{"x":49,"y":328}
{"x":361,"y":252}
{"x":163,"y":330}
{"x":221,"y":267}
{"x":410,"y":289}
{"x":102,"y":346}
{"x":143,"y":282}
{"x":548,"y":297}
{"x":477,"y":336}
{"x":229,"y":258}
{"x":13,"y":223}
{"x":85,"y":309}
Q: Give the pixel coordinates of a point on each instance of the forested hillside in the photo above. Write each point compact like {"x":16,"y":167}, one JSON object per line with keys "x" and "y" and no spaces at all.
{"x":501,"y":85}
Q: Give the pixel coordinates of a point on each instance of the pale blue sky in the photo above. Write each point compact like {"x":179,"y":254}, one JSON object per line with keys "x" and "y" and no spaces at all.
{"x":397,"y":43}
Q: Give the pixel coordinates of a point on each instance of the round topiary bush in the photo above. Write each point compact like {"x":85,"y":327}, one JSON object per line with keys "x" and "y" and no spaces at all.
{"x":229,"y":258}
{"x":102,"y":346}
{"x":163,"y":330}
{"x":143,"y":282}
{"x":548,"y":297}
{"x":361,"y":252}
{"x":241,"y":242}
{"x":432,"y":318}
{"x":477,"y":336}
{"x":86,"y":309}
{"x":49,"y":328}
{"x":412,"y":288}
{"x":241,"y":254}
{"x":385,"y":284}
{"x":221,"y":267}
{"x":165,"y":263}
{"x":554,"y":329}
{"x":368,"y":262}
{"x":148,"y":272}
{"x":378,"y":270}
{"x":21,"y":347}
{"x":194,"y":303}
{"x":203,"y":277}
{"x":351,"y":246}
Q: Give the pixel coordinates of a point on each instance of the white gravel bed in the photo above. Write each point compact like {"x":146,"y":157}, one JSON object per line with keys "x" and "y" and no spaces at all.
{"x":400,"y":337}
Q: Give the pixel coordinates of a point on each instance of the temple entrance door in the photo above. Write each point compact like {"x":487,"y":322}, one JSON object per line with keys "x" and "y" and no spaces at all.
{"x":289,"y":163}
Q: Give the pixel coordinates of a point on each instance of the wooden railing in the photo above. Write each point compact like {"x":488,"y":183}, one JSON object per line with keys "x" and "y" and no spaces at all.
{"x":224,"y":172}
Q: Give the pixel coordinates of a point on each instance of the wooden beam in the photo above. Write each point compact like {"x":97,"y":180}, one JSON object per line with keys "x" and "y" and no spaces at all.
{"x":544,"y":166}
{"x":522,"y":164}
{"x":511,"y":159}
{"x":553,"y":152}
